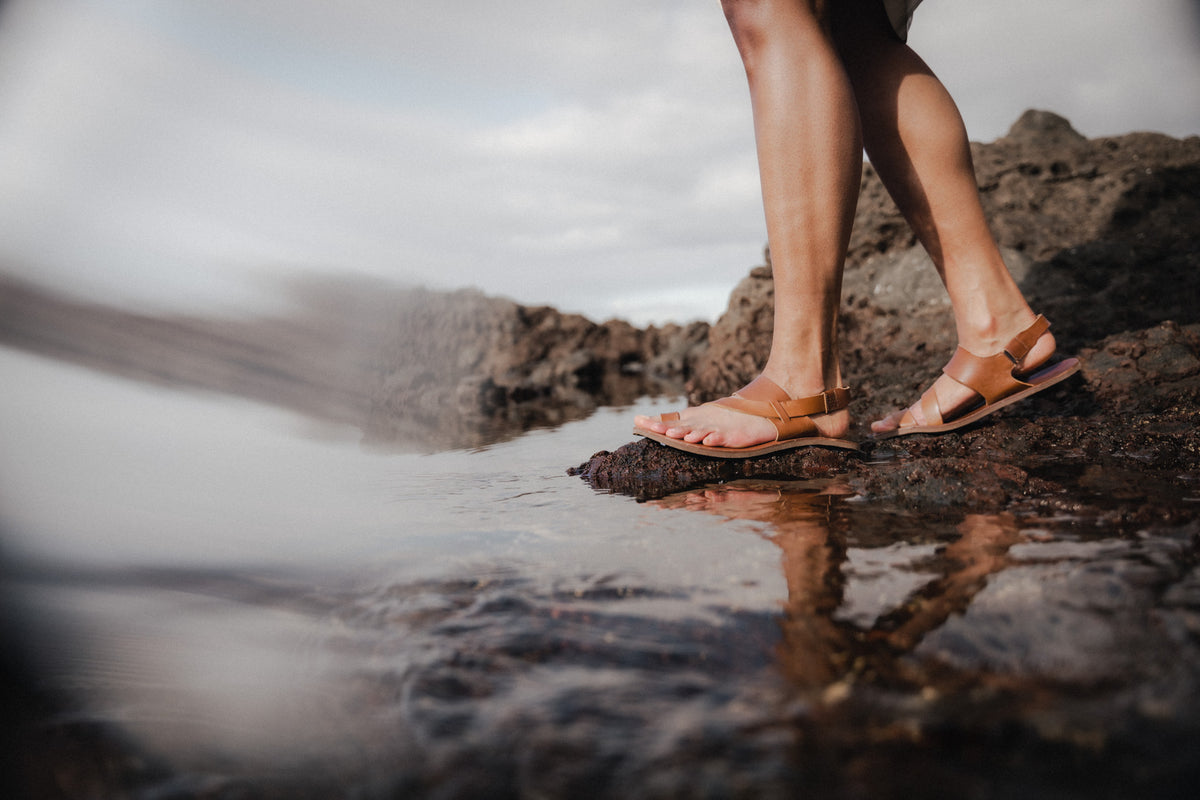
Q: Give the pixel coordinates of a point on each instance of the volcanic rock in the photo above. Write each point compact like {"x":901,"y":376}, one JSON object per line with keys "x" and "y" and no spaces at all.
{"x":1101,"y":235}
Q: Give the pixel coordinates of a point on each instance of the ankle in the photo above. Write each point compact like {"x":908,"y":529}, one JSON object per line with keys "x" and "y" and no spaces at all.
{"x":988,"y":332}
{"x":805,"y":384}
{"x":804,"y":376}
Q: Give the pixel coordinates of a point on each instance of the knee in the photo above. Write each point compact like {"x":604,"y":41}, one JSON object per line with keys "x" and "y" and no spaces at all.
{"x":748,"y":21}
{"x":738,"y":10}
{"x":753,"y":22}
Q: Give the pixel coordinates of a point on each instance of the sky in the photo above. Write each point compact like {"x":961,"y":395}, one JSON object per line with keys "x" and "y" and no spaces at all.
{"x":593,"y":156}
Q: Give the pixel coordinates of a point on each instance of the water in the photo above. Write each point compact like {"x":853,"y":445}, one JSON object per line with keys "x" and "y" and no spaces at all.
{"x":222,"y":599}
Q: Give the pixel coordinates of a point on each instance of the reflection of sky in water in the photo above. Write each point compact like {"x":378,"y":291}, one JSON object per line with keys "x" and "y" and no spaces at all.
{"x":192,"y":554}
{"x":112,"y":470}
{"x":98,"y":470}
{"x":880,"y":578}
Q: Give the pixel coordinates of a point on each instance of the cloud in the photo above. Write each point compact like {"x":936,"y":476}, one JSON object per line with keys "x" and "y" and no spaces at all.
{"x":587,"y":155}
{"x":1109,"y":66}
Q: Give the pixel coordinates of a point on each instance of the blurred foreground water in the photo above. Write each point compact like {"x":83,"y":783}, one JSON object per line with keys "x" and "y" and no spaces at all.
{"x":212,"y":597}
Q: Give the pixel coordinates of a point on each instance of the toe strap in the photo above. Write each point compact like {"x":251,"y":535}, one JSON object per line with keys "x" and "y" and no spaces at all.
{"x":931,"y":410}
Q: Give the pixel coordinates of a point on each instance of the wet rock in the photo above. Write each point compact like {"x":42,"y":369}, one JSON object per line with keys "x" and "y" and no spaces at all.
{"x":646,"y":470}
{"x":931,"y":482}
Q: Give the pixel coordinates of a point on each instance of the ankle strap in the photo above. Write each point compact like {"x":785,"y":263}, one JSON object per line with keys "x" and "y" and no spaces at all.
{"x":764,"y":390}
{"x":824,"y":403}
{"x":1023,"y":342}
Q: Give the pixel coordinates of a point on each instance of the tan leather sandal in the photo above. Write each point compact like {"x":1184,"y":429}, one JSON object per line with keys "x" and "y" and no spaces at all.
{"x":993,"y":378}
{"x":765,"y":398}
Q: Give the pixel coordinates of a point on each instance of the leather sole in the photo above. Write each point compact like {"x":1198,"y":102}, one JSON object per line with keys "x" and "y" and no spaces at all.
{"x":1040,"y":380}
{"x":746,"y":452}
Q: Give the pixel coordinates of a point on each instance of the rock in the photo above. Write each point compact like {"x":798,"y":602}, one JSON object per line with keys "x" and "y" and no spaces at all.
{"x":408,"y":366}
{"x":1101,"y":235}
{"x":646,"y":470}
{"x":739,"y":342}
{"x":1044,"y":129}
{"x":671,"y":353}
{"x":516,"y":366}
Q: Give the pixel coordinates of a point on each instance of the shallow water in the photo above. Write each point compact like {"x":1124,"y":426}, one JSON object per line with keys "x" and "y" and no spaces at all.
{"x":221,"y":599}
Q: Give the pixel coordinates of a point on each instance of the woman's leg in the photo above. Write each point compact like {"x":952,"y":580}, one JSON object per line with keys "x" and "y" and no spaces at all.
{"x":810,"y":163}
{"x":917,"y":143}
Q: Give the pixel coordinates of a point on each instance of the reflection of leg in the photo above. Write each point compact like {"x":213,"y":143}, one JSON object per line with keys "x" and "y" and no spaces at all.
{"x":815,"y":649}
{"x":917,"y":143}
{"x":809,"y":153}
{"x":981,"y":551}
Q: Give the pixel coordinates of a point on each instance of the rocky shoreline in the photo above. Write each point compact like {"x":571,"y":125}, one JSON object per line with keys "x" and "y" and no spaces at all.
{"x":1103,"y":237}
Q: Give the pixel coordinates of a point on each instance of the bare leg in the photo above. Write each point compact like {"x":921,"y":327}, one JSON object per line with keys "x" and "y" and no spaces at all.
{"x":810,"y":162}
{"x":916,"y":140}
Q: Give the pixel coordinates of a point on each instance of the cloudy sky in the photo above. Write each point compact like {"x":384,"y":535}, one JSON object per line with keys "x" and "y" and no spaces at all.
{"x":595,"y":155}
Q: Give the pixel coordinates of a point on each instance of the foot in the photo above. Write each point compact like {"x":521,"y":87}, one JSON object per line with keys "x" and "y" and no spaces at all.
{"x":715,"y":426}
{"x":954,"y":398}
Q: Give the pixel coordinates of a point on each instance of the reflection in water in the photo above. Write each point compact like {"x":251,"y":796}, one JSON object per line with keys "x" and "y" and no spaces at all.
{"x":220,"y":606}
{"x":1020,"y":657}
{"x":811,"y":525}
{"x":533,"y":639}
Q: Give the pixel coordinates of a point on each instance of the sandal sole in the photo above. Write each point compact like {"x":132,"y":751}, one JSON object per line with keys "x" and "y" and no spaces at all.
{"x":746,"y":452}
{"x":1040,"y":380}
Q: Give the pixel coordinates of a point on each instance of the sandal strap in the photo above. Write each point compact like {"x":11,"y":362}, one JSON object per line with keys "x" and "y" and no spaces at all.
{"x":790,"y":415}
{"x":931,"y":408}
{"x":993,"y":377}
{"x":1024,"y":341}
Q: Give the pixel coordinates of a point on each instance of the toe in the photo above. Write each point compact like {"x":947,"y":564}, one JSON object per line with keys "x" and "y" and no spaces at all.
{"x":648,"y":423}
{"x":655,"y":424}
{"x":887,"y":424}
{"x":893,"y":421}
